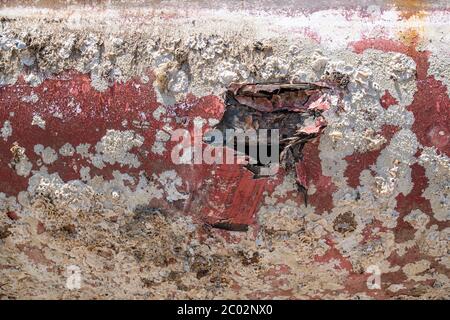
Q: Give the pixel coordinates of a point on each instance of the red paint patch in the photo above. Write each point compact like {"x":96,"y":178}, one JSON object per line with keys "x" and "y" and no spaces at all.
{"x":12,"y":215}
{"x":414,"y":199}
{"x":357,"y":283}
{"x":369,"y":234}
{"x":387,"y":100}
{"x":334,"y":254}
{"x":431,"y":109}
{"x":35,"y":254}
{"x":419,"y":57}
{"x":73,"y":113}
{"x":358,"y":162}
{"x":412,"y":254}
{"x":232,"y":196}
{"x":40,"y":228}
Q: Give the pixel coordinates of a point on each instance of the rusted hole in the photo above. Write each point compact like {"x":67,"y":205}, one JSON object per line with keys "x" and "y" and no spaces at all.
{"x":294,"y":109}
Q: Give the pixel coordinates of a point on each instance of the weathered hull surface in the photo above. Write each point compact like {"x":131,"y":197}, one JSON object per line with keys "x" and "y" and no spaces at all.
{"x":89,"y":96}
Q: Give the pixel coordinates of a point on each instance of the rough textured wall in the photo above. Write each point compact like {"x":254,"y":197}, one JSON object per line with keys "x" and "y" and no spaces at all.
{"x":89,"y":96}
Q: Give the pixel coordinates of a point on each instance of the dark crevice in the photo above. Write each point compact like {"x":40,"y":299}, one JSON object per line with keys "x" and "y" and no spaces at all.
{"x":295,"y":109}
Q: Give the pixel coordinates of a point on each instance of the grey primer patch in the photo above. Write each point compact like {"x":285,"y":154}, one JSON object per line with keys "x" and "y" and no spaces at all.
{"x":291,"y":108}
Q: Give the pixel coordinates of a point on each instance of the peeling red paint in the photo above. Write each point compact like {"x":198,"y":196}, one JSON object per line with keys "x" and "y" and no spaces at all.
{"x":74,"y":112}
{"x":369,"y":233}
{"x":430,"y":108}
{"x":40,"y":228}
{"x":35,"y":255}
{"x":357,"y":283}
{"x":134,"y":100}
{"x":358,"y":162}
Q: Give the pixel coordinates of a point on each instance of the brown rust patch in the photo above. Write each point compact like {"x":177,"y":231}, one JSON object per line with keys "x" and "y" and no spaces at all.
{"x":345,"y":223}
{"x":4,"y":232}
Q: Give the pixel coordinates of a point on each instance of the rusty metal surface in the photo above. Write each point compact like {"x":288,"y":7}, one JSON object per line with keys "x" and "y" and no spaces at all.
{"x":90,"y":96}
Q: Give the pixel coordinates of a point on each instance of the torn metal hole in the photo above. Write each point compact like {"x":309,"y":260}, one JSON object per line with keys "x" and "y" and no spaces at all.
{"x":230,"y":226}
{"x":295,"y":109}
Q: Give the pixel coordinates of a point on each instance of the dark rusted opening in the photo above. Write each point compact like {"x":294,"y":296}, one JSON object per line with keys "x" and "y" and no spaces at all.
{"x":295,"y":109}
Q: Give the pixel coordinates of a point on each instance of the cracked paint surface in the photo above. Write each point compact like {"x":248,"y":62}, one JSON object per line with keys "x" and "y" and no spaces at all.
{"x":86,"y":115}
